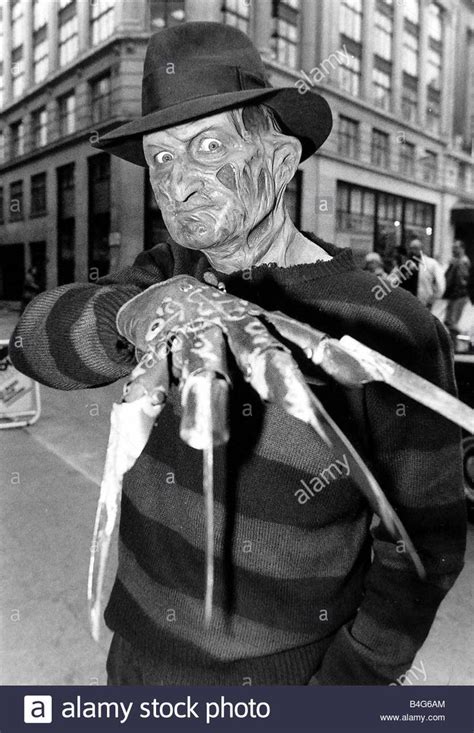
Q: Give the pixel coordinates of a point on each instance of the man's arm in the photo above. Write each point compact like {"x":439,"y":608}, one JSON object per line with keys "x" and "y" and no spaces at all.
{"x":416,"y":458}
{"x":67,"y":337}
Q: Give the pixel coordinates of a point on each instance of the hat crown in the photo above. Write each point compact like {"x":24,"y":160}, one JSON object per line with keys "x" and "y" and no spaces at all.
{"x":202,"y":44}
{"x":196,"y":60}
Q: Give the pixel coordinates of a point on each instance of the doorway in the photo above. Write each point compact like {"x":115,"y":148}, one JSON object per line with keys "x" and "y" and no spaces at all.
{"x":12,"y":271}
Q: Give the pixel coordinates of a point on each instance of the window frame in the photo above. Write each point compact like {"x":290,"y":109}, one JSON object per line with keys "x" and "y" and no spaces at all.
{"x":68,"y":45}
{"x":64,"y":115}
{"x":102,"y":25}
{"x":17,"y":140}
{"x":348,"y":137}
{"x":16,"y":216}
{"x":39,"y":127}
{"x":35,"y":210}
{"x":97,"y":100}
{"x":380,"y":149}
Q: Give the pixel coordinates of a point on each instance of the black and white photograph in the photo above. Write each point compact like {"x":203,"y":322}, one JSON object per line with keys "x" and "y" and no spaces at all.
{"x":237,"y":349}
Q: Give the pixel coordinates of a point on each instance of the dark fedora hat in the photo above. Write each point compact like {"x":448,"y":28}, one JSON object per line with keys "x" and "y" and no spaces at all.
{"x":194,"y":70}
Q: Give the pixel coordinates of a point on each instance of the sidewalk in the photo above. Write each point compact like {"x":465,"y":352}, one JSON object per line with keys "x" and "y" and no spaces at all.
{"x":49,"y":489}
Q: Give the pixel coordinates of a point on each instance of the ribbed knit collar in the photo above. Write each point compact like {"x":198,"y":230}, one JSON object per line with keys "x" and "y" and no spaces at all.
{"x":342,"y":261}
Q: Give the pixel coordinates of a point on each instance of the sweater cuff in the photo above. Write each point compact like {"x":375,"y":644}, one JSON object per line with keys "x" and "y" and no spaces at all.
{"x":107,"y":304}
{"x":348,"y":662}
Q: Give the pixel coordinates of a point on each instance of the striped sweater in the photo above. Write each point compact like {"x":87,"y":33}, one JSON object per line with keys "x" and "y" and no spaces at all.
{"x":305,"y":591}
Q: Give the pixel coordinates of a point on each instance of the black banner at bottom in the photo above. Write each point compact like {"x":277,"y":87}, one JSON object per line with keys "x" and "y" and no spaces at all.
{"x":217,"y":709}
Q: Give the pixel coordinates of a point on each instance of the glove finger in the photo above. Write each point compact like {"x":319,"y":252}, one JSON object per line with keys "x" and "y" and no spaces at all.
{"x":202,"y":356}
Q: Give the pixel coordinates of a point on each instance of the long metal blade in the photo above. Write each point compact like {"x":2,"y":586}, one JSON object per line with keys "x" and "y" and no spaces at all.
{"x":131,"y":423}
{"x":208,"y":490}
{"x":383,"y":369}
{"x":367,"y":483}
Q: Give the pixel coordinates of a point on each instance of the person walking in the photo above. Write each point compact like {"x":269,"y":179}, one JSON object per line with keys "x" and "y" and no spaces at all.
{"x":30,"y":287}
{"x":427,"y":281}
{"x":456,"y":293}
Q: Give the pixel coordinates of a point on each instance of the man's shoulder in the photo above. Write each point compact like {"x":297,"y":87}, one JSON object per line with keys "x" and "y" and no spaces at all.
{"x":380,"y":313}
{"x":432,"y":263}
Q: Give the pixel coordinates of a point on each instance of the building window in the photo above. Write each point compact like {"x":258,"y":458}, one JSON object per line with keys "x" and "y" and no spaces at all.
{"x":407,"y":159}
{"x":2,"y":205}
{"x":99,"y":214}
{"x":17,"y":134}
{"x":419,"y":222}
{"x":165,"y":13}
{"x":38,"y":194}
{"x":18,"y":72}
{"x":462,"y":176}
{"x":380,"y":149}
{"x":16,"y":201}
{"x":102,"y":20}
{"x":66,"y":223}
{"x":349,"y":76}
{"x":410,"y":53}
{"x":350,"y":26}
{"x":100,"y":98}
{"x":67,"y":32}
{"x":350,"y":19}
{"x":433,"y":111}
{"x":382,"y":88}
{"x":435,"y":22}
{"x":39,"y":124}
{"x":236,"y":13}
{"x":411,"y":11}
{"x":382,"y":221}
{"x":67,"y":114}
{"x":433,"y":68}
{"x":40,"y":55}
{"x":383,"y":34}
{"x":39,"y":15}
{"x":286,"y":36}
{"x":348,"y":137}
{"x":430,"y":166}
{"x":17,"y":23}
{"x":409,"y":99}
{"x":355,"y":209}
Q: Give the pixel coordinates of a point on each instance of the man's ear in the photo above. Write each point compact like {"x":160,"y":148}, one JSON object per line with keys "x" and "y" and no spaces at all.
{"x":286,"y":158}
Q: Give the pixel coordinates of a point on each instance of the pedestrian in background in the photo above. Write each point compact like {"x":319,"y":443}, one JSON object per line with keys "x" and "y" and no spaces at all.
{"x":30,"y":287}
{"x":456,"y":293}
{"x":427,"y":281}
{"x":374,"y":264}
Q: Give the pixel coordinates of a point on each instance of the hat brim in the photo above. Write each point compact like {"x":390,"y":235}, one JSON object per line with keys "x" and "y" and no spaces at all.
{"x":305,"y":116}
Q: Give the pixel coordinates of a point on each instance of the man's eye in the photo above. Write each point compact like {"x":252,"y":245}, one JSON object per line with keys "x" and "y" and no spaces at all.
{"x":210,"y":145}
{"x":164,"y":157}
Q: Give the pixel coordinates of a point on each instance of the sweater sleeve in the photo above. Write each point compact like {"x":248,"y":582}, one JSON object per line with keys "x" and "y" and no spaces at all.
{"x":416,"y":458}
{"x":67,"y":337}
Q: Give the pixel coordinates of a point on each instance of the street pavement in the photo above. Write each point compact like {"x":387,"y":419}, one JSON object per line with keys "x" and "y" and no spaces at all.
{"x":49,"y":488}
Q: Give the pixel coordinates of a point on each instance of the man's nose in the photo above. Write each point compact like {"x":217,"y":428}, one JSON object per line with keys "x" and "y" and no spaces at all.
{"x":184,"y":181}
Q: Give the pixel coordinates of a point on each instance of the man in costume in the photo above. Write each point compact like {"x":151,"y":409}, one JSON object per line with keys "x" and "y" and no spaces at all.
{"x":305,"y":592}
